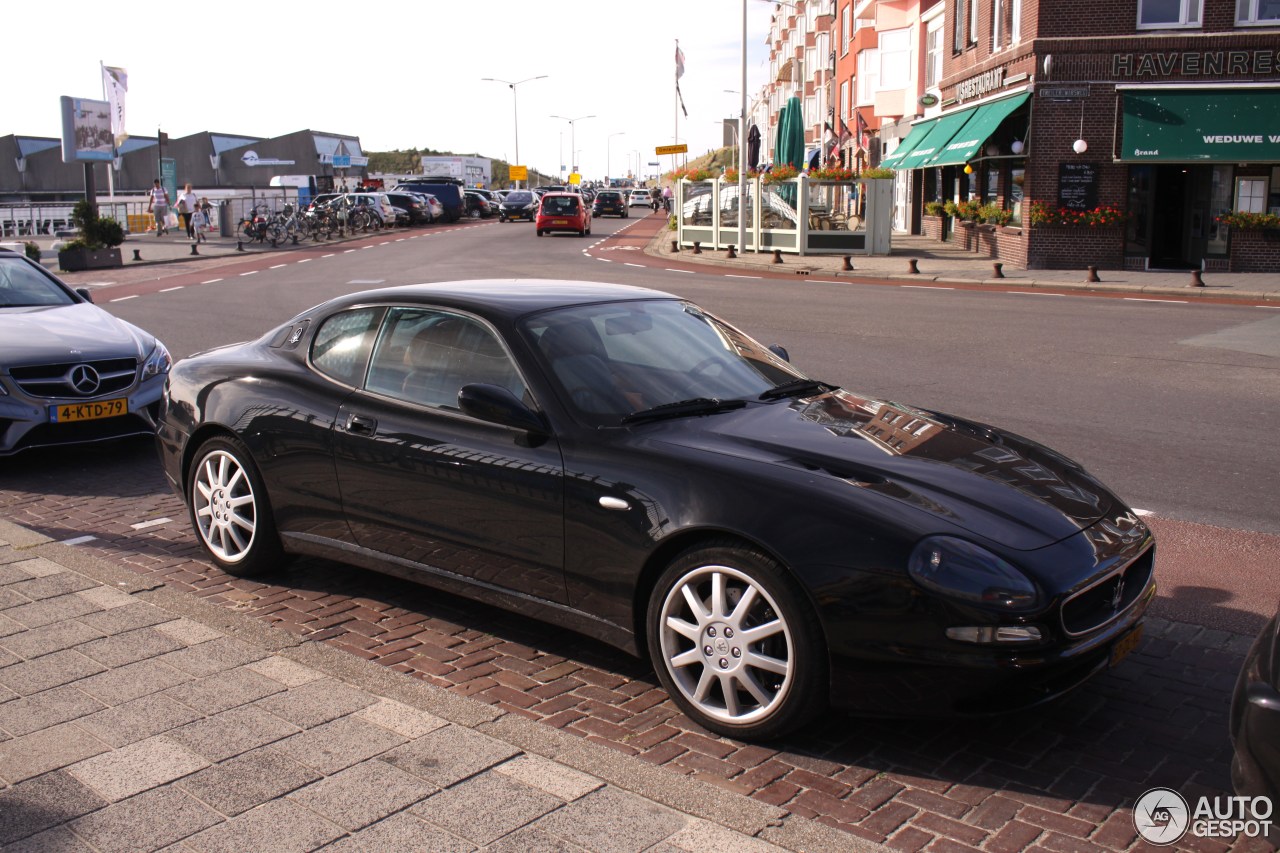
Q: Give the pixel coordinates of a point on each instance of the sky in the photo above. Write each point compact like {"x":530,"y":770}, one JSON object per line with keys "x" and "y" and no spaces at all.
{"x":409,"y":74}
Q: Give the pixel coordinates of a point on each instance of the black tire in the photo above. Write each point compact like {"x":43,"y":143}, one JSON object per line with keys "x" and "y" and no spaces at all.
{"x":539,"y":232}
{"x":748,"y":696}
{"x":229,"y":510}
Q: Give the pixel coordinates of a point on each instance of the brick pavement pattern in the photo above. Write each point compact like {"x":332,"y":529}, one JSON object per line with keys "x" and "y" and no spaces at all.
{"x":1059,"y":778}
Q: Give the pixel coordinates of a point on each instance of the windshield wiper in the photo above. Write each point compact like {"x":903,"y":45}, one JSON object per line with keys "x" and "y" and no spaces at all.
{"x":797,"y":388}
{"x":682,"y":408}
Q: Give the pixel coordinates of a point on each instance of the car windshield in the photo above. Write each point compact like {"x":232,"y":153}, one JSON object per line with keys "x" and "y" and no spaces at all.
{"x":611,"y":360}
{"x":23,"y":287}
{"x":519,"y":198}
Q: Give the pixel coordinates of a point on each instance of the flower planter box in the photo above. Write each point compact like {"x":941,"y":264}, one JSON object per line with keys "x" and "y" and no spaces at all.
{"x":75,"y":260}
{"x":966,"y":234}
{"x":1075,"y":247}
{"x":933,"y":227}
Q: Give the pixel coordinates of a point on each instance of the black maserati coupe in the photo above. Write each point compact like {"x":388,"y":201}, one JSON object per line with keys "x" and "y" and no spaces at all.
{"x":623,"y":463}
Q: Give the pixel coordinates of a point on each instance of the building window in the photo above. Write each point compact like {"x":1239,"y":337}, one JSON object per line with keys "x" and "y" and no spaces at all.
{"x":1015,"y":24}
{"x":846,"y":29}
{"x":844,"y":101}
{"x":1257,"y":11}
{"x":933,"y":63}
{"x":868,"y":75}
{"x":1168,"y":13}
{"x":973,"y":21}
{"x":1251,"y":195}
{"x":957,"y":43}
{"x":997,"y":24}
{"x":895,"y":58}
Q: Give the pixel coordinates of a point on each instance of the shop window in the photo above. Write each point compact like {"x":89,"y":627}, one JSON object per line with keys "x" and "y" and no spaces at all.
{"x":1153,"y":14}
{"x":1017,"y":177}
{"x":1251,"y":195}
{"x":1257,"y":11}
{"x":1219,"y":203}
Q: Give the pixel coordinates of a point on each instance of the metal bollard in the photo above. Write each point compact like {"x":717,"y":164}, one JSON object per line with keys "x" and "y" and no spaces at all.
{"x":848,"y":263}
{"x":777,"y":256}
{"x":697,"y":247}
{"x":1196,"y":280}
{"x":997,"y":270}
{"x":675,"y":246}
{"x":731,"y":254}
{"x":1093,"y":275}
{"x":239,"y":245}
{"x":193,"y":249}
{"x":912,"y":267}
{"x":137,"y":254}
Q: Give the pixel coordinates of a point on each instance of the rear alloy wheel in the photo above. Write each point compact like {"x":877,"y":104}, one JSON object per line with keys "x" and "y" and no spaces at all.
{"x":229,"y":509}
{"x":735,"y":643}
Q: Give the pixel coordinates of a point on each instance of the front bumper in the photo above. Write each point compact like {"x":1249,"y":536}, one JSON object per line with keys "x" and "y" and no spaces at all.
{"x":25,"y":422}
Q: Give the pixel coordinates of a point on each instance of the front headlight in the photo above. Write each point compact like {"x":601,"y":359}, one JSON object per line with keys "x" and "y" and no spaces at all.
{"x":157,"y":363}
{"x":961,"y":570}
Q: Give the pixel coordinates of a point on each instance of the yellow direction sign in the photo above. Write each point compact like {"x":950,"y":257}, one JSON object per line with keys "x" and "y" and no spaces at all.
{"x":575,"y":179}
{"x":671,"y":149}
{"x":519,"y":173}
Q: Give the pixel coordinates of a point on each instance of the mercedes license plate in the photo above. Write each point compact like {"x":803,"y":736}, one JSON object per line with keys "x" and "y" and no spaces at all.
{"x":68,"y":412}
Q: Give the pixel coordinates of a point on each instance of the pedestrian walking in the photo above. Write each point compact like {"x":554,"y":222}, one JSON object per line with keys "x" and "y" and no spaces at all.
{"x":158,"y":206}
{"x":187,"y":202}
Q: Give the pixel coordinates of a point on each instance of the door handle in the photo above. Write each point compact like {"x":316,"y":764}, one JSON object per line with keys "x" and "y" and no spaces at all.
{"x":360,"y":425}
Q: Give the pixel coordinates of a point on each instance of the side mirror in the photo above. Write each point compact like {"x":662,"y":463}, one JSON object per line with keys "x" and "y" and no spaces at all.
{"x":496,"y":404}
{"x":84,"y":292}
{"x":780,"y":351}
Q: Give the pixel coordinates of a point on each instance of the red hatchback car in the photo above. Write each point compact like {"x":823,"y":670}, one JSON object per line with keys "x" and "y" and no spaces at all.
{"x":563,"y":212}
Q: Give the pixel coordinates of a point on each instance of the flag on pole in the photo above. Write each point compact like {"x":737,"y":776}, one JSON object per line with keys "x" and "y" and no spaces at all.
{"x":116,"y":83}
{"x":864,"y":138}
{"x":679,"y":62}
{"x":681,"y":97}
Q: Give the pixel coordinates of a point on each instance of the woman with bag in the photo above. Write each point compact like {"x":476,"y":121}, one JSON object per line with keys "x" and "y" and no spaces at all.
{"x":186,"y":209}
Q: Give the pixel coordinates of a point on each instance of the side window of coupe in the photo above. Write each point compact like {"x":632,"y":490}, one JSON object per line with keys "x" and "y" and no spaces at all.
{"x":341,"y":346}
{"x":425,"y":356}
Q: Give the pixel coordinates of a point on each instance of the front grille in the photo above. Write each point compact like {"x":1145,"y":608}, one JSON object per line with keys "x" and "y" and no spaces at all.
{"x":55,"y":380}
{"x":1104,"y":601}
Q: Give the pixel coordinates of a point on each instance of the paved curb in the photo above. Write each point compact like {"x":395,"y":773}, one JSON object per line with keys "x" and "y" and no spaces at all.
{"x":659,"y":247}
{"x":683,"y":794}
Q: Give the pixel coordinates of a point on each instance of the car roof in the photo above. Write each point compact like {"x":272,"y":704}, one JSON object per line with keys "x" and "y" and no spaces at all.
{"x":499,"y":298}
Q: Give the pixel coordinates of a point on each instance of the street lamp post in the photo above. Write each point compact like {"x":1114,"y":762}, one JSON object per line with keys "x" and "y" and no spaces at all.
{"x":573,"y":136}
{"x":608,"y":163}
{"x":515,"y":107}
{"x":742,"y":134}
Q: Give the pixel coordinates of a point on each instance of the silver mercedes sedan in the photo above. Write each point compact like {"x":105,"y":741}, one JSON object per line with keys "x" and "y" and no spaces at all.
{"x":70,"y":373}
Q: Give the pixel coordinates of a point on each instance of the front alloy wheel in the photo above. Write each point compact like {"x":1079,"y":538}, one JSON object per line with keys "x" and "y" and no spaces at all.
{"x":229,"y":509}
{"x":734,"y":644}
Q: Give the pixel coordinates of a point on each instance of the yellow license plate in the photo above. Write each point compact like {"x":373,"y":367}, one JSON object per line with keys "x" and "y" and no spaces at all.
{"x":559,"y":222}
{"x":69,"y":412}
{"x":1125,"y":645}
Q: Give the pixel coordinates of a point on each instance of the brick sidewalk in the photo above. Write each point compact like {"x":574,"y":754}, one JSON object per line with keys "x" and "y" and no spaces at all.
{"x":1060,"y":778}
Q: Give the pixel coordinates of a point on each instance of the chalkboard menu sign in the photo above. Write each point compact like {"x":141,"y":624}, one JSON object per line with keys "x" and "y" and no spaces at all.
{"x":1078,"y":186}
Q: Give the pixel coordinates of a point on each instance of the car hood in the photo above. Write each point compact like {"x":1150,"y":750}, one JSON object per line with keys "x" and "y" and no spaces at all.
{"x":80,"y":332}
{"x":991,"y":483}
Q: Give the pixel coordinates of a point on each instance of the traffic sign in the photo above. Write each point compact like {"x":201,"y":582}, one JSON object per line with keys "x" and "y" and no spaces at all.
{"x":519,"y":173}
{"x":671,"y":149}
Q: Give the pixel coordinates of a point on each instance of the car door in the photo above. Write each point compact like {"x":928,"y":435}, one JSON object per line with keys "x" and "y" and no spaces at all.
{"x":423,"y":482}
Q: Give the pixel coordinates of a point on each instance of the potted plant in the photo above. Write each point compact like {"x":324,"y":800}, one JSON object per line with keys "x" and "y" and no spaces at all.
{"x":935,"y":208}
{"x":95,"y":248}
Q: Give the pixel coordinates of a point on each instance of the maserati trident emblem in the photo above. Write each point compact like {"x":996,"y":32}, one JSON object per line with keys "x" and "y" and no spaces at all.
{"x":84,"y":379}
{"x":1118,"y":595}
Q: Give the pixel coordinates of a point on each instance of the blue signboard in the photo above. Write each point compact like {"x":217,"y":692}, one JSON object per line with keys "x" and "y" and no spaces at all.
{"x":342,"y":161}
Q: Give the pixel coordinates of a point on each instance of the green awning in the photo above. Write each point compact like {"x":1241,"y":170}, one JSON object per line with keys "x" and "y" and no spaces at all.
{"x":918,"y":132}
{"x":1217,"y":125}
{"x":976,"y":131}
{"x":943,"y":130}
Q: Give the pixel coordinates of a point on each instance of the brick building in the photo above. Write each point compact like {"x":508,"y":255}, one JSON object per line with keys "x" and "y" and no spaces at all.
{"x":1168,"y":110}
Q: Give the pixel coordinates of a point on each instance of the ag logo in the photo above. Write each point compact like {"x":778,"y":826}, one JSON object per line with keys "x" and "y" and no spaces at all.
{"x":1161,"y":816}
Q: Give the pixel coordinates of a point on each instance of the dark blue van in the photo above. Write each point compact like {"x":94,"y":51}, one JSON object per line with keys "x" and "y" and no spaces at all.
{"x":448,"y":190}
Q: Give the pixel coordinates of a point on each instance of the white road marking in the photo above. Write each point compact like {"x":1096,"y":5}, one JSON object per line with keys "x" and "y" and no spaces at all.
{"x":79,"y":540}
{"x":634,"y":265}
{"x":606,"y":260}
{"x":735,"y":275}
{"x":686,"y":272}
{"x":250,"y":272}
{"x":1032,"y":293}
{"x":926,"y":287}
{"x":1172,"y":301}
{"x":348,"y":251}
{"x":366,"y":281}
{"x":171,"y":289}
{"x":330,"y":255}
{"x":211,"y":281}
{"x":123,"y":298}
{"x":155,"y":522}
{"x":278,"y":266}
{"x":306,"y":260}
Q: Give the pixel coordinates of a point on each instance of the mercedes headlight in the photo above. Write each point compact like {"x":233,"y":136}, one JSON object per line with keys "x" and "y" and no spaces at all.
{"x":158,"y":362}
